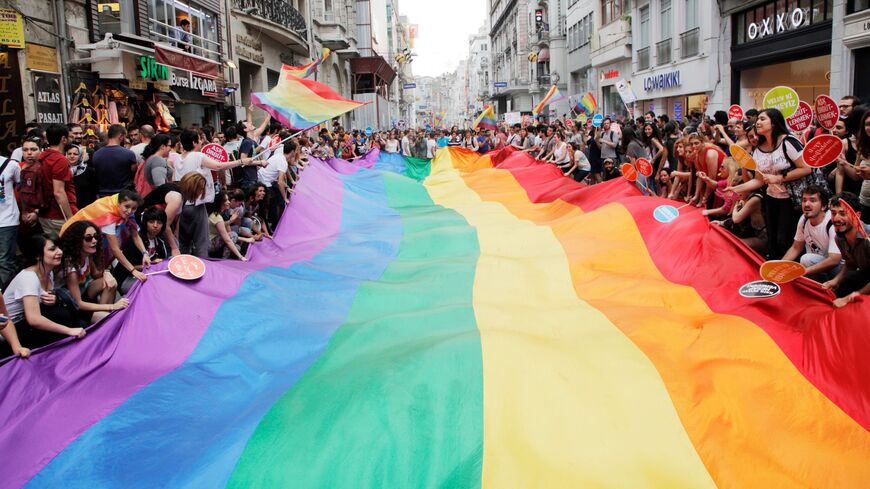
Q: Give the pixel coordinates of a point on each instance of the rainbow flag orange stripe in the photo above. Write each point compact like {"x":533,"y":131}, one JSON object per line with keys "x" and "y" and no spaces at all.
{"x":477,"y":321}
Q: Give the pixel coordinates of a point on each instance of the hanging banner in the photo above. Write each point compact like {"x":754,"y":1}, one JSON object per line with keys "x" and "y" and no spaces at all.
{"x":49,"y":102}
{"x":11,"y":103}
{"x":186,"y":62}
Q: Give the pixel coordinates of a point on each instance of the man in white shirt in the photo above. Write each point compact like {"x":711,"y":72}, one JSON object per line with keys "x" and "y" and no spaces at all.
{"x":406,"y":144}
{"x":431,"y":146}
{"x":274,"y":177}
{"x":10,"y":176}
{"x":815,"y":237}
{"x":146,"y":132}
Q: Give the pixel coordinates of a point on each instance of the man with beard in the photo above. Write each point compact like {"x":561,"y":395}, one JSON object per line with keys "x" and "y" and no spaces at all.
{"x":815,"y":237}
{"x":854,"y":278}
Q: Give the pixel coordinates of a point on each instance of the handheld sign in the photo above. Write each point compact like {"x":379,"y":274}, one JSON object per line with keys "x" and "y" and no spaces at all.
{"x":760,"y":289}
{"x":827,"y":111}
{"x":781,"y":271}
{"x":666,"y":213}
{"x":742,"y":157}
{"x":644,"y":167}
{"x":369,"y":132}
{"x":582,"y":118}
{"x":597,"y":120}
{"x":216,"y":152}
{"x":822,"y":150}
{"x":802,"y":118}
{"x":735,"y":112}
{"x":783,"y":98}
{"x":628,"y":172}
{"x":276,"y":140}
{"x":184,"y":267}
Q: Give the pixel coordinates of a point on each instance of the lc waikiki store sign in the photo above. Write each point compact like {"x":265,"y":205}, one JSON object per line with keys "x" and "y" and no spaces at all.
{"x":150,"y":69}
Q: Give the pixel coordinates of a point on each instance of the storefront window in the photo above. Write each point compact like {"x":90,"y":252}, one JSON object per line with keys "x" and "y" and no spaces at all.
{"x":116,"y":17}
{"x":807,"y":76}
{"x":187,"y":26}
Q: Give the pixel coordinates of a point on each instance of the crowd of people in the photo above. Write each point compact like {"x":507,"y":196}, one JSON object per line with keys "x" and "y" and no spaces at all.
{"x":83,"y":215}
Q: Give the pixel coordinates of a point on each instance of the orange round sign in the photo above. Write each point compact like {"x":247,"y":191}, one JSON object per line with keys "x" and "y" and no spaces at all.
{"x":644,"y":167}
{"x":628,"y":172}
{"x":827,"y":111}
{"x":781,"y":271}
{"x":822,"y":150}
{"x":186,"y":267}
{"x":742,"y":157}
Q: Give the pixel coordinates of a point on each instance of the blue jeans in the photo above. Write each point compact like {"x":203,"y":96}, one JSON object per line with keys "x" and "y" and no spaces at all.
{"x":8,"y":240}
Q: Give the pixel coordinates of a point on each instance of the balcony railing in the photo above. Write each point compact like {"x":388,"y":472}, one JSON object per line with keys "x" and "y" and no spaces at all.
{"x":643,"y":58}
{"x":690,"y":43}
{"x":663,"y":52}
{"x":172,"y":35}
{"x":542,"y":35}
{"x":277,"y":11}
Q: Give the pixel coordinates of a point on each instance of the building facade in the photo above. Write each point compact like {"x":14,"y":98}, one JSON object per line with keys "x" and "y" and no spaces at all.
{"x":581,"y":24}
{"x":479,"y":88}
{"x":511,"y":72}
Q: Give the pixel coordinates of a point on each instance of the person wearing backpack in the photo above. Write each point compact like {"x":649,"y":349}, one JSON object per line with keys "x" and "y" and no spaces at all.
{"x":59,"y":189}
{"x":10,"y":176}
{"x":815,"y":237}
{"x":780,"y":163}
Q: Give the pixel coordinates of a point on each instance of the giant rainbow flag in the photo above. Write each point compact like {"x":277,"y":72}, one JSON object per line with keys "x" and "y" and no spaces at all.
{"x":478,"y":322}
{"x":300,"y":103}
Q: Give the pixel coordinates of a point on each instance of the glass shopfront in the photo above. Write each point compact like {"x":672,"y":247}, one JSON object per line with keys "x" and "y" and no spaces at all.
{"x":809,"y":77}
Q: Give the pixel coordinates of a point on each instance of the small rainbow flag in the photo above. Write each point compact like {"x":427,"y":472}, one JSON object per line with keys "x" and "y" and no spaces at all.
{"x":587,"y":104}
{"x":305,"y":71}
{"x":487,"y":119}
{"x":552,"y":96}
{"x":300,"y":104}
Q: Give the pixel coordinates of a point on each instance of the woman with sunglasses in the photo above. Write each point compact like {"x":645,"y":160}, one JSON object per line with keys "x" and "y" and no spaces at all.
{"x":89,"y":283}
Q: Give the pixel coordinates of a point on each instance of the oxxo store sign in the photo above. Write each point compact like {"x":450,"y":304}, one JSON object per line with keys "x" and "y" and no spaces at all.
{"x":150,"y":69}
{"x":777,"y":24}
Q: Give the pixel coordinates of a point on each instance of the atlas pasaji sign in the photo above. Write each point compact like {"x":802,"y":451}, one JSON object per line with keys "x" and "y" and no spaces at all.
{"x":150,"y":69}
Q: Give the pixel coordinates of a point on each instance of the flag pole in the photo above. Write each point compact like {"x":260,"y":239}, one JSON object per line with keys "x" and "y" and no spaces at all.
{"x":272,"y":146}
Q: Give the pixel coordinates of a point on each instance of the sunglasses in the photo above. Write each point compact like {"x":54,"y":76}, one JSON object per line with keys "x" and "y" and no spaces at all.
{"x":90,"y":237}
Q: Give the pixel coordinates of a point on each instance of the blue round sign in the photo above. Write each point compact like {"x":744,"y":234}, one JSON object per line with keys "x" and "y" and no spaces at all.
{"x":666,"y":213}
{"x":369,"y":131}
{"x":597,"y":120}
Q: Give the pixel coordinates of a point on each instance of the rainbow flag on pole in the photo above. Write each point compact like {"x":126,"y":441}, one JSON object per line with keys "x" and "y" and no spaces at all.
{"x":300,"y":103}
{"x":476,"y":322}
{"x":487,"y":119}
{"x":553,"y":95}
{"x":586,"y":104}
{"x":309,"y":69}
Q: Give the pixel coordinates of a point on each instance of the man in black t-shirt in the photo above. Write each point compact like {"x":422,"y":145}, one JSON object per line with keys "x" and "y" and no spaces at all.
{"x":114,"y":165}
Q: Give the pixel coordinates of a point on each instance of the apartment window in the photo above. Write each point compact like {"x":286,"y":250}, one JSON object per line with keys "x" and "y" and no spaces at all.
{"x":327,"y":10}
{"x":853,"y":6}
{"x":691,"y":14}
{"x":167,"y":18}
{"x":665,"y":22}
{"x":586,"y":30}
{"x":643,"y":44}
{"x":611,"y":10}
{"x":117,"y":17}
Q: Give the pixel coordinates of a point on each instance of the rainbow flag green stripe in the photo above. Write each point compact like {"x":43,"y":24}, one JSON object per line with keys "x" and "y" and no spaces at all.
{"x":396,"y":400}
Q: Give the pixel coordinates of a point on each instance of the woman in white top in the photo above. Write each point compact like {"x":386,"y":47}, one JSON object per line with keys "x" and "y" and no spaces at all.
{"x":39,"y":315}
{"x":469,"y":141}
{"x":391,"y":145}
{"x":772,"y":154}
{"x":561,"y":154}
{"x":584,"y":167}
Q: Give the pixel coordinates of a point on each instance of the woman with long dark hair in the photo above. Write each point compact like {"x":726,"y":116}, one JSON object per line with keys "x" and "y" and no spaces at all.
{"x":779,"y":159}
{"x":40,"y":315}
{"x":706,"y":157}
{"x":157,"y":170}
{"x":89,"y":283}
{"x":861,"y":171}
{"x":256,"y":206}
{"x":650,"y":138}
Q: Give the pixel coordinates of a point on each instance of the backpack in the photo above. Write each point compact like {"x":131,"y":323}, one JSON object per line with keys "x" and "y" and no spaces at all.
{"x":143,"y":188}
{"x":32,"y":191}
{"x":796,"y":188}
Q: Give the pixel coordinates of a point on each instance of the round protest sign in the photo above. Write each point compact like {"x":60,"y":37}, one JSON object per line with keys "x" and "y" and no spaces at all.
{"x":781,"y":271}
{"x":666,"y":213}
{"x":597,"y":120}
{"x":827,"y":111}
{"x":186,"y":267}
{"x":369,"y":132}
{"x":802,"y":118}
{"x":783,"y":98}
{"x":644,"y":167}
{"x":760,"y":289}
{"x":216,"y":152}
{"x":822,"y":150}
{"x":742,"y":157}
{"x":628,"y":172}
{"x":735,"y":112}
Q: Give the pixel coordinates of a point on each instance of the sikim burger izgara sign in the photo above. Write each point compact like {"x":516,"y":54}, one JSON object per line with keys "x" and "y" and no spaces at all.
{"x":151,"y":70}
